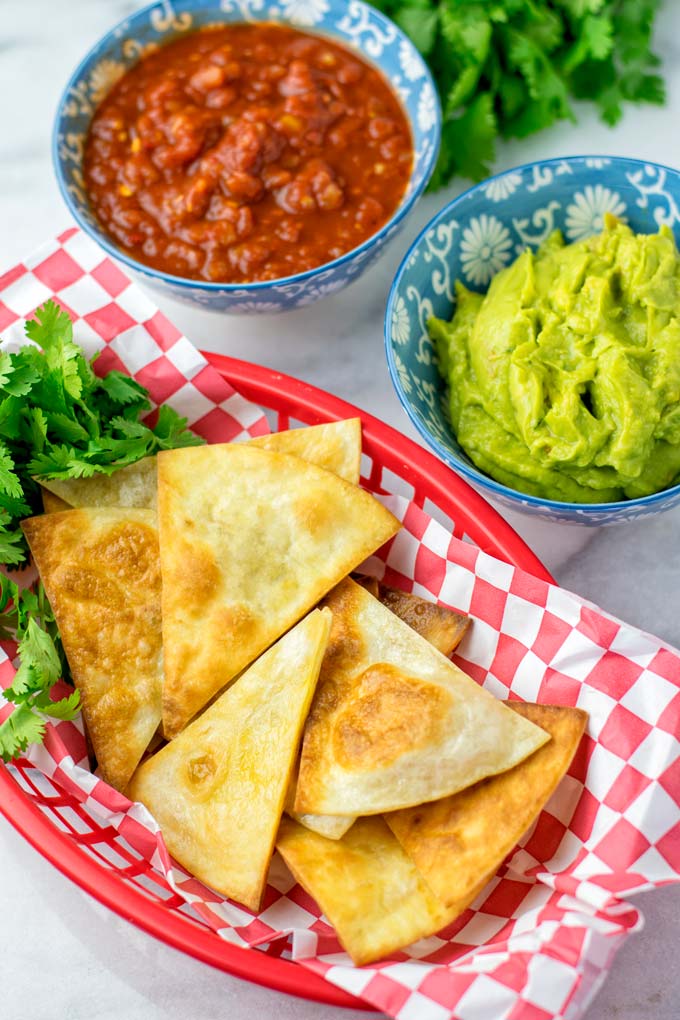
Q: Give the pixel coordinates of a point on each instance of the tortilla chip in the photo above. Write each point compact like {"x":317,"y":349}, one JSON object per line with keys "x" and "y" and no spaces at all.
{"x":366,"y":885}
{"x":100,"y":568}
{"x":442,"y":627}
{"x":52,"y":504}
{"x":217,"y":791}
{"x":459,"y":843}
{"x":131,"y":486}
{"x":335,"y":446}
{"x":394,"y":723}
{"x":250,"y":541}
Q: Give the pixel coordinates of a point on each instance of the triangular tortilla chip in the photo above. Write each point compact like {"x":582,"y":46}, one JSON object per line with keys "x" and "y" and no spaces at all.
{"x":250,"y":541}
{"x":366,"y":885}
{"x":101,"y":572}
{"x":459,"y":843}
{"x":442,"y":627}
{"x":217,"y":791}
{"x":394,"y":723}
{"x":335,"y":446}
{"x":131,"y":486}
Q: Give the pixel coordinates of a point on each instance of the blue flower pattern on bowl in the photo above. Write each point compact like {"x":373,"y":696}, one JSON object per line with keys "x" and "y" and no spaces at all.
{"x":353,"y":24}
{"x":478,"y":234}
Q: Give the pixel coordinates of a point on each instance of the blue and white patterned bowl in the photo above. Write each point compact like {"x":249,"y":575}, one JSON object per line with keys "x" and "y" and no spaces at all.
{"x":350,"y":22}
{"x":475,"y":236}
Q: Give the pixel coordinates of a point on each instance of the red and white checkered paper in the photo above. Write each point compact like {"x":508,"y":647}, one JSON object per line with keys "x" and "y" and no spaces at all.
{"x":539,"y":939}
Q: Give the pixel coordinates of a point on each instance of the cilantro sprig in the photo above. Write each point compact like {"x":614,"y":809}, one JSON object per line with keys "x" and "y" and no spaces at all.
{"x":26,"y":616}
{"x":58,"y":419}
{"x":510,"y":68}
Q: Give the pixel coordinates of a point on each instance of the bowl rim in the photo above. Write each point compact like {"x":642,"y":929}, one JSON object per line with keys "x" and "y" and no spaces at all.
{"x":255,"y":286}
{"x":468,"y":470}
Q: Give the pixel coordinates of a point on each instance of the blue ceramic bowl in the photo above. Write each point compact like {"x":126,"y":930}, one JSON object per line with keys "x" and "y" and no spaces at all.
{"x":352,"y":23}
{"x":475,"y":236}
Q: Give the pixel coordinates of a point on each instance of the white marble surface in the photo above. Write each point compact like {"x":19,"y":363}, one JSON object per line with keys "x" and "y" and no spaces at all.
{"x":62,"y":956}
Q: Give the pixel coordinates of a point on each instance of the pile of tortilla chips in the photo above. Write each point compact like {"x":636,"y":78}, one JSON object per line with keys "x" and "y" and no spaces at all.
{"x":205,"y":606}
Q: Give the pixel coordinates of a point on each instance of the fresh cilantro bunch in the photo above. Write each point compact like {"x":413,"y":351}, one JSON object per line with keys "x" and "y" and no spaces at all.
{"x":57,"y":420}
{"x":509,"y":68}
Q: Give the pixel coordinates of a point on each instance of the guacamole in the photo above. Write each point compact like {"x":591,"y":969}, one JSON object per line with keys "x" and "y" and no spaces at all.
{"x":565,"y":376}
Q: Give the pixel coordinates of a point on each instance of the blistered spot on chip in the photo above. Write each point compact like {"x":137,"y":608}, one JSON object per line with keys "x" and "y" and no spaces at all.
{"x":88,"y":586}
{"x":391,"y":715}
{"x":129,"y":551}
{"x":201,"y":769}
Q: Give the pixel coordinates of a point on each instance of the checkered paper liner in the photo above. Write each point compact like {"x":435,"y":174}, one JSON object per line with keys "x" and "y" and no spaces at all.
{"x":539,"y":939}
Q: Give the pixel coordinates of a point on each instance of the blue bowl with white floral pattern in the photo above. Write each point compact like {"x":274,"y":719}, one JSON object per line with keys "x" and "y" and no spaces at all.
{"x":354,"y":24}
{"x":476,"y":235}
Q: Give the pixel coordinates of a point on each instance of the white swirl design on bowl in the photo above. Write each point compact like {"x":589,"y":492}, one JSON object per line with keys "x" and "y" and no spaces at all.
{"x":651,"y":184}
{"x":543,"y":222}
{"x":358,"y":26}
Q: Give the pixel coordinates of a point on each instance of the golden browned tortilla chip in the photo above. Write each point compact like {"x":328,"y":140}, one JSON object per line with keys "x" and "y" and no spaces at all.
{"x":366,"y":885}
{"x":459,"y":843}
{"x":250,"y":541}
{"x":394,"y":723}
{"x":217,"y":791}
{"x":335,"y":446}
{"x":442,"y":627}
{"x":100,"y":568}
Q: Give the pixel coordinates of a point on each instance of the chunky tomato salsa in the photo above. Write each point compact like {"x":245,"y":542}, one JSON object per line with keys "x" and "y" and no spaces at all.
{"x":247,"y":152}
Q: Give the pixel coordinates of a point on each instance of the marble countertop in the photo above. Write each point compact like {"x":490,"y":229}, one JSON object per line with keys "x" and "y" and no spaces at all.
{"x":64,"y":957}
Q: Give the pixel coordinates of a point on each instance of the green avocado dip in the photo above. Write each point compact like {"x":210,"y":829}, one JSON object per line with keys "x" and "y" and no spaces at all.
{"x":565,"y":376}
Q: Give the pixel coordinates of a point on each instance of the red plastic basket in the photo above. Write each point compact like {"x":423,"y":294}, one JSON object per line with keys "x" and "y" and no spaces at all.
{"x":55,"y":823}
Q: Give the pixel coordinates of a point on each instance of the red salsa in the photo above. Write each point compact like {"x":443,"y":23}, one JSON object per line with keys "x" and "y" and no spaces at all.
{"x":247,"y":152}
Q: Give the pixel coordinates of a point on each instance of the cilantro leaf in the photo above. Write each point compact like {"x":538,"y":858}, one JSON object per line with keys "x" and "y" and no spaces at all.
{"x":39,"y":666}
{"x":420,"y":26}
{"x":471,"y":136}
{"x":122,"y":389}
{"x":52,"y":330}
{"x":171,"y":430}
{"x":66,"y":708}
{"x":12,"y":547}
{"x":21,"y":728}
